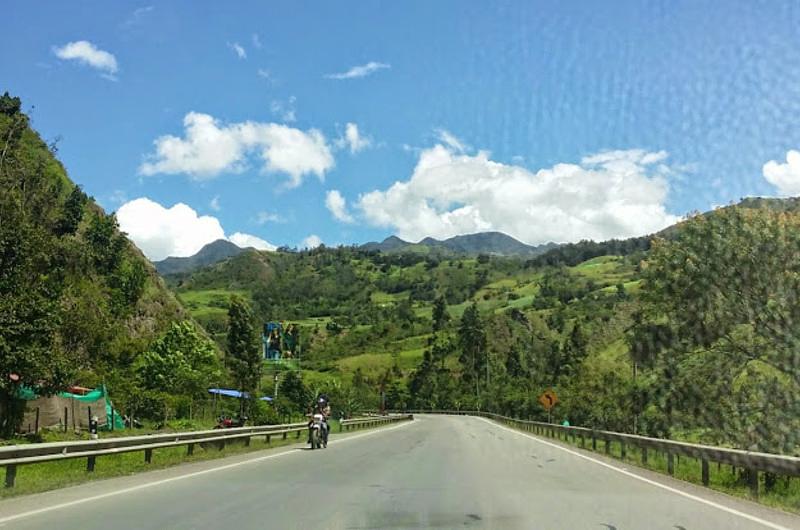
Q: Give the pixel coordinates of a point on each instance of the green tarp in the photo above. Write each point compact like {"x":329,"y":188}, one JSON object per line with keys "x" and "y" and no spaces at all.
{"x":54,"y":405}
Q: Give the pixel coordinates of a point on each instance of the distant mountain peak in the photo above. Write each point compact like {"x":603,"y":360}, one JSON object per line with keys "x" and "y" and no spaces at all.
{"x":210,"y":254}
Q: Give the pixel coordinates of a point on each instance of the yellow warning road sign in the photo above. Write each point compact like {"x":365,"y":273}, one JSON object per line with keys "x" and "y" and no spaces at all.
{"x":548,"y":399}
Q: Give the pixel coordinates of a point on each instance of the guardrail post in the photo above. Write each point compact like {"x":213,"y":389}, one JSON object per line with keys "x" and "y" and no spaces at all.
{"x":90,"y":464}
{"x":704,"y":471}
{"x":583,"y":441}
{"x":284,"y":435}
{"x":148,"y":456}
{"x":298,"y":434}
{"x":190,"y":449}
{"x":608,"y":446}
{"x":644,"y":456}
{"x":752,"y":479}
{"x":11,"y":475}
{"x":247,"y":441}
{"x":594,"y":442}
{"x":622,"y":450}
{"x":267,"y":439}
{"x":670,"y":464}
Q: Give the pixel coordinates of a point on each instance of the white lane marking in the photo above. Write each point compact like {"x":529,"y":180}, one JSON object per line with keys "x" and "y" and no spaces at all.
{"x":643,"y":479}
{"x":31,"y":513}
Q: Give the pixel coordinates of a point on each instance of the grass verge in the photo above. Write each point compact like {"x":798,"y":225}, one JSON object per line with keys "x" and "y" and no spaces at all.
{"x":783,"y":494}
{"x":36,"y":478}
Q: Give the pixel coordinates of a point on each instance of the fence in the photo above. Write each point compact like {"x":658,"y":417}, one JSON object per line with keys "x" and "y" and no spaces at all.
{"x":16,"y":455}
{"x":751,"y":461}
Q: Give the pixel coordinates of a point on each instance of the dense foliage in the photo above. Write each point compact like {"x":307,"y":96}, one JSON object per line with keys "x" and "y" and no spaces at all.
{"x":78,"y":302}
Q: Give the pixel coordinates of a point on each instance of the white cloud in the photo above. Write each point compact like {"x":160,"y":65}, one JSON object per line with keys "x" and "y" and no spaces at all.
{"x":338,"y":206}
{"x":177,"y":231}
{"x":238,"y":49}
{"x":353,"y":140}
{"x":785,"y":177}
{"x":161,"y":232}
{"x":87,"y":53}
{"x":449,"y":139}
{"x":214,"y":204}
{"x":137,"y":16}
{"x":610,"y":194}
{"x":265,"y":217}
{"x":360,"y":71}
{"x":256,"y":41}
{"x":265,"y":74}
{"x":285,"y":110}
{"x":210,"y":148}
{"x":247,"y":240}
{"x":312,"y":241}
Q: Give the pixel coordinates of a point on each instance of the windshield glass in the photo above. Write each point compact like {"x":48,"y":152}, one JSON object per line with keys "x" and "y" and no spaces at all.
{"x":513,"y":265}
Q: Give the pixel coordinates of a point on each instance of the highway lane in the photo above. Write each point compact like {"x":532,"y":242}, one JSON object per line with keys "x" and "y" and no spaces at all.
{"x":437,"y":472}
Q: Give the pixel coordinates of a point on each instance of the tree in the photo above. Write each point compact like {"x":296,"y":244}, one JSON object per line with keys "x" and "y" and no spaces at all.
{"x":440,"y":315}
{"x":73,"y":212}
{"x":293,"y":390}
{"x":181,"y":362}
{"x":105,"y":242}
{"x":726,"y":292}
{"x":244,"y":354}
{"x":473,"y":344}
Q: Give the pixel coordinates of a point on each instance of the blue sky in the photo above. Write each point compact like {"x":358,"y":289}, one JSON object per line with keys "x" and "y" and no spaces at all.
{"x":545,"y":120}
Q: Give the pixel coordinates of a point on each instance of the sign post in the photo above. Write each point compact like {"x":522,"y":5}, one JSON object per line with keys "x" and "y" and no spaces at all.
{"x":548,"y":399}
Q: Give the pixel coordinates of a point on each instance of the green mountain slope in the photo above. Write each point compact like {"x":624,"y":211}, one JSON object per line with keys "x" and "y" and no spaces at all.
{"x":78,"y":301}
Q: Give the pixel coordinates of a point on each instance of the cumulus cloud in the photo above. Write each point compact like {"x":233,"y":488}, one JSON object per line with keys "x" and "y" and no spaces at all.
{"x":312,"y":241}
{"x":238,"y":50}
{"x":87,"y":53}
{"x":256,"y":41}
{"x":785,"y":177}
{"x":247,"y":240}
{"x":177,"y":231}
{"x":210,"y":148}
{"x":338,"y":206}
{"x":353,"y":140}
{"x":609,"y":194}
{"x":360,"y":71}
{"x":214,"y":204}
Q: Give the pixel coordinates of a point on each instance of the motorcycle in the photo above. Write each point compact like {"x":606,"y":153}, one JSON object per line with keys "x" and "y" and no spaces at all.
{"x":226,"y":422}
{"x":317,"y":426}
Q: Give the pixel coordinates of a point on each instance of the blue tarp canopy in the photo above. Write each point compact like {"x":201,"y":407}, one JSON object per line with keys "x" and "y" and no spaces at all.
{"x":265,"y":398}
{"x":229,"y":393}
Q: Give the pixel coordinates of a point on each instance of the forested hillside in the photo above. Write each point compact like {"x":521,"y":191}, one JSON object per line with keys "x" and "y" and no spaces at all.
{"x":79,"y":304}
{"x":690,"y":339}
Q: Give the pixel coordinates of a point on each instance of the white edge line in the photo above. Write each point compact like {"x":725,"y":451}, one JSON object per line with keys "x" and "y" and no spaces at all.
{"x":643,"y":479}
{"x":31,"y":513}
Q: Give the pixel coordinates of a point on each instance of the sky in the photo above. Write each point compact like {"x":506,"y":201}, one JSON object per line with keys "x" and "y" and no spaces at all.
{"x":301,"y":123}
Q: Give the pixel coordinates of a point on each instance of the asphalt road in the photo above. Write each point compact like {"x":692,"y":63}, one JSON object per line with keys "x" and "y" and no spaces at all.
{"x":435,"y":472}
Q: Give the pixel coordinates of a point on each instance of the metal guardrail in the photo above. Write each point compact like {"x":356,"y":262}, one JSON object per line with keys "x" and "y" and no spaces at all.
{"x":13,"y":456}
{"x":752,"y":461}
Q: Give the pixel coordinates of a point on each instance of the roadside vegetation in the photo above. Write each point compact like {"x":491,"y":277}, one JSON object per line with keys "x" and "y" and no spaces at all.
{"x":689,"y":334}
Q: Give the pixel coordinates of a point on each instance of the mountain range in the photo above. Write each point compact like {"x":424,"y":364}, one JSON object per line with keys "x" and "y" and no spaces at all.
{"x":493,"y":243}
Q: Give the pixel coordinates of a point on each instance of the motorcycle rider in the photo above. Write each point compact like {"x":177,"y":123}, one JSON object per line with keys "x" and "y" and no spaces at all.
{"x":323,"y":407}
